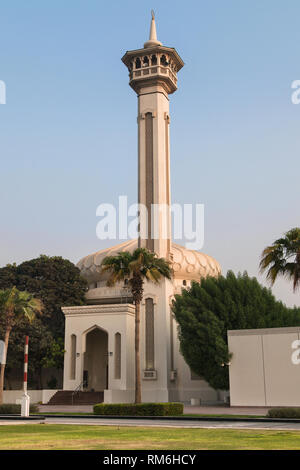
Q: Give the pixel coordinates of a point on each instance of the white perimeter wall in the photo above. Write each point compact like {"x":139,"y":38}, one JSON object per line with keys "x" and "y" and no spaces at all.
{"x":261,"y":371}
{"x":36,"y":396}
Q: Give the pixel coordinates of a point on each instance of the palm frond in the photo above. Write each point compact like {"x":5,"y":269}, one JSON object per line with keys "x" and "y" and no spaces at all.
{"x":283,"y":258}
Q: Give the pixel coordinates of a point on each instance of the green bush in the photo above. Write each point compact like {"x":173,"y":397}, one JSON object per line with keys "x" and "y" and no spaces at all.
{"x":284,"y":413}
{"x":13,"y":409}
{"x":140,"y":409}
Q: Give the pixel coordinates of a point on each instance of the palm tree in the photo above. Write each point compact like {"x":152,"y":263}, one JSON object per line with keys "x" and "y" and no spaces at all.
{"x":140,"y":266}
{"x":283,"y":258}
{"x":14,"y":305}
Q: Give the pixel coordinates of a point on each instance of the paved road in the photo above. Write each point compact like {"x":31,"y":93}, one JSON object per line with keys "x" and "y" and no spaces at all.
{"x":175,"y":423}
{"x":164,"y":423}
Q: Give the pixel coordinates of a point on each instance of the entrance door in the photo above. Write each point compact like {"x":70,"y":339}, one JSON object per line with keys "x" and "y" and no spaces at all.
{"x":96,"y":360}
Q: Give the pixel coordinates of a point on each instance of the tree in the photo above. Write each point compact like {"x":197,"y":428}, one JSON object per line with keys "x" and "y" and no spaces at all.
{"x":208,"y":309}
{"x":55,"y":354}
{"x":41,"y":340}
{"x":57,"y":282}
{"x":140,"y":266}
{"x":283,"y":258}
{"x":15,"y":305}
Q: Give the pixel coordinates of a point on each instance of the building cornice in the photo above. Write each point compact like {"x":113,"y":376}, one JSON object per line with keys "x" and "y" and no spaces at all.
{"x":109,"y":309}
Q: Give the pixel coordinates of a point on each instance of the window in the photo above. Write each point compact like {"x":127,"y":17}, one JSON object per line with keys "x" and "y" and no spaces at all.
{"x":195,"y":376}
{"x":138,"y":63}
{"x":117,"y":356}
{"x":73,"y":358}
{"x":163,"y":60}
{"x":153,"y":60}
{"x":149,"y":333}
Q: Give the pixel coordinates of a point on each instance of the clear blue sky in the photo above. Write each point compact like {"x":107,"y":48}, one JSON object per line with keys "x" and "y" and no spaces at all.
{"x":68,"y":130}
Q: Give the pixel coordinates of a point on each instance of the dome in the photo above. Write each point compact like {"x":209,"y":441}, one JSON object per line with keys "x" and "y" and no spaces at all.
{"x":187,"y":264}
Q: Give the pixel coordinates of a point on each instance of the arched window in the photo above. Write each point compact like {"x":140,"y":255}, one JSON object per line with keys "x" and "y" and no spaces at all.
{"x":73,"y":358}
{"x":146,"y":61}
{"x":117,"y":356}
{"x":195,"y":376}
{"x":138,"y":63}
{"x":149,"y":333}
{"x":153,"y":60}
{"x":163,"y":60}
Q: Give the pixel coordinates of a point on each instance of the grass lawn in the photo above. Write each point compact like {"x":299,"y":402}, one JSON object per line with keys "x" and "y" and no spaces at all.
{"x":63,"y":437}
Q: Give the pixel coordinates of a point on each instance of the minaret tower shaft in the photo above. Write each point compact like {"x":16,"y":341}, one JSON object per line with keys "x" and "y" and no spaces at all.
{"x":153,"y":76}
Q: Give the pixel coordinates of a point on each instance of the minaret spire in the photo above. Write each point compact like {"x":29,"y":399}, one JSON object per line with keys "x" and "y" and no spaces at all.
{"x":153,"y":36}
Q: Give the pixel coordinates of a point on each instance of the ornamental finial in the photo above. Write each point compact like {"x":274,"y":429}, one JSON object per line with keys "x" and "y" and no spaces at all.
{"x":153,"y":37}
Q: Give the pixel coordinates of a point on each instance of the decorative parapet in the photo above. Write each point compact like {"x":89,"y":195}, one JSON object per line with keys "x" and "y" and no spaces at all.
{"x":108,"y":293}
{"x":109,"y":309}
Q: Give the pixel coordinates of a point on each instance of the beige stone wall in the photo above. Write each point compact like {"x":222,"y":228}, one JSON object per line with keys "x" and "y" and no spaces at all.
{"x":261,"y":370}
{"x":155,"y":184}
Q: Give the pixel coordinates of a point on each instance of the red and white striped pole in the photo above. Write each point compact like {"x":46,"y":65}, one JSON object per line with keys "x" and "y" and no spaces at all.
{"x":26,"y":364}
{"x":25,"y":401}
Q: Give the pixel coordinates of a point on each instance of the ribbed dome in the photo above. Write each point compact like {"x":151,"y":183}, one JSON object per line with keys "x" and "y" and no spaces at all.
{"x":187,"y":264}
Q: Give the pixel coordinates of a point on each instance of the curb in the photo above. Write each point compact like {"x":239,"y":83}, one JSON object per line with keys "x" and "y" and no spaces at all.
{"x":22,"y":418}
{"x":173,"y":418}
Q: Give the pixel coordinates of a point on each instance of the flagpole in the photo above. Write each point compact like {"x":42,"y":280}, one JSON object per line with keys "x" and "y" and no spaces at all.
{"x":25,"y":402}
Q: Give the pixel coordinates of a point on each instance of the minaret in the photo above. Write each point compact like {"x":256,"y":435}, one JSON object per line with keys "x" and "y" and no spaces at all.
{"x":153,"y":76}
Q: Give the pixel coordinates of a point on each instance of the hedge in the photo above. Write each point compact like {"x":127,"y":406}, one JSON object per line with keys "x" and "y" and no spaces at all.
{"x":284,"y":413}
{"x":13,"y":409}
{"x":139,"y":409}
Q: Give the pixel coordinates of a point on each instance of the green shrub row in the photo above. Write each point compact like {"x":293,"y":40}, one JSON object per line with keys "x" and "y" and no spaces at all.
{"x":14,"y":409}
{"x":140,"y":409}
{"x":284,"y":413}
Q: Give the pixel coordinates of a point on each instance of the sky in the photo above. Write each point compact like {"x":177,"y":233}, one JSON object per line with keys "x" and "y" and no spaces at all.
{"x":68,"y":132}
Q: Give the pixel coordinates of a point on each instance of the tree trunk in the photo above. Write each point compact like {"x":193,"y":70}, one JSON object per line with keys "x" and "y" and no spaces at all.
{"x":138,"y":387}
{"x":2,"y":370}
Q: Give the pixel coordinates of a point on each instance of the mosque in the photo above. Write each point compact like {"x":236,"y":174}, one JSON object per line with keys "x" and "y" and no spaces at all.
{"x":99,"y":337}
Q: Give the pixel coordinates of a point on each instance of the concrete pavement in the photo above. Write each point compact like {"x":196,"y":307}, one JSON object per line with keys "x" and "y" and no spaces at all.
{"x":259,"y":411}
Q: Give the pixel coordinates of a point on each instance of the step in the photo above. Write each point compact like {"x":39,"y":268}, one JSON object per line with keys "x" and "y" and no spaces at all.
{"x":66,"y":397}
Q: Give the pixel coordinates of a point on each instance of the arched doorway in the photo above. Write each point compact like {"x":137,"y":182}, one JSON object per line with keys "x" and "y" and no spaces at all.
{"x":95,"y":367}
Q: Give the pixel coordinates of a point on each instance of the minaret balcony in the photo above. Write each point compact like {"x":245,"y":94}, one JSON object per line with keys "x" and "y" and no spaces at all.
{"x":153,"y":70}
{"x":152,"y":66}
{"x":149,"y":75}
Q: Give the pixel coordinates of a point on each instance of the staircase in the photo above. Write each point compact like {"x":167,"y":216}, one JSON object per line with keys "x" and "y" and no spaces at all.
{"x":67,"y":397}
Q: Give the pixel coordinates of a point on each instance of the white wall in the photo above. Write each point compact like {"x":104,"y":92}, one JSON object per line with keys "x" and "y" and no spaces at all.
{"x":36,"y":396}
{"x":262,"y":372}
{"x":116,"y":318}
